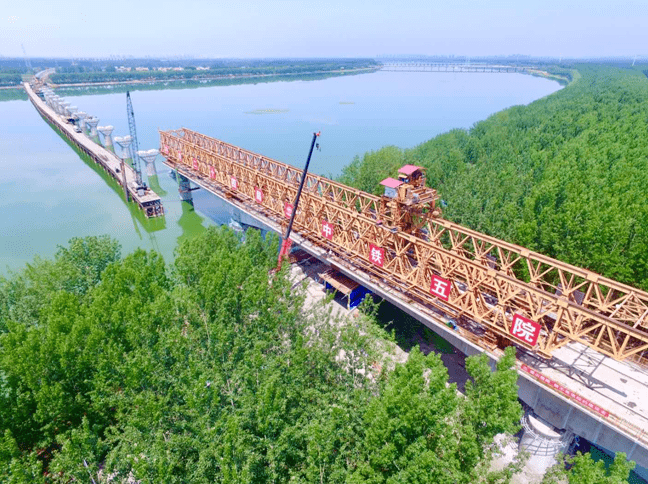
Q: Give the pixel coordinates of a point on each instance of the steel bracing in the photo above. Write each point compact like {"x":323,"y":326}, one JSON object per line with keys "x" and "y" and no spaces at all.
{"x":490,"y":282}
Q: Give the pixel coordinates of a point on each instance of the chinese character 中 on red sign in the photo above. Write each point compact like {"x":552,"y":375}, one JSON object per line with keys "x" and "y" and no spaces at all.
{"x":525,"y":330}
{"x":376,"y":255}
{"x":258,"y":195}
{"x":327,"y":230}
{"x":440,"y":287}
{"x":195,"y":164}
{"x":234,"y":183}
{"x":212,"y":172}
{"x":288,"y":209}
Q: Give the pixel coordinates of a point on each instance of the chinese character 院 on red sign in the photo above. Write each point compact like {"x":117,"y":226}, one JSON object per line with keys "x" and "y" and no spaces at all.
{"x":376,"y":255}
{"x":288,"y":210}
{"x":525,"y":330}
{"x":195,"y":164}
{"x":327,"y":230}
{"x":440,"y":287}
{"x":234,"y":183}
{"x":258,"y":195}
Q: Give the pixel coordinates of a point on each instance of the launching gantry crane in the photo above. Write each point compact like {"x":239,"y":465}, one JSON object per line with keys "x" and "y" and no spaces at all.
{"x":497,"y":292}
{"x":407,"y":204}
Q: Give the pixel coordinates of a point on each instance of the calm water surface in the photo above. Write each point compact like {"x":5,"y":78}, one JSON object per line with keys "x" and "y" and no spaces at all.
{"x":50,"y":193}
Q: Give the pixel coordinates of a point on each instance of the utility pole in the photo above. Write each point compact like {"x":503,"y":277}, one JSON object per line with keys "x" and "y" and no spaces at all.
{"x":285,"y":246}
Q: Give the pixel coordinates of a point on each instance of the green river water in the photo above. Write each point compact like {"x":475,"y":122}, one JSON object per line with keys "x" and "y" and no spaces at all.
{"x":50,"y":193}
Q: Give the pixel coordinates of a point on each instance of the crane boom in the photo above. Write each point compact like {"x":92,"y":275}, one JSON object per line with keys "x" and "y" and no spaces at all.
{"x":134,"y":147}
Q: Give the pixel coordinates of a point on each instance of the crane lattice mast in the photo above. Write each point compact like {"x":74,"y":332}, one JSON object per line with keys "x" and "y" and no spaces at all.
{"x":27,"y":61}
{"x":133,"y":132}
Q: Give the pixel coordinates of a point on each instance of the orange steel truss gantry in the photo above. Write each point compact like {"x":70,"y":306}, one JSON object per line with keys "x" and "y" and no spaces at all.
{"x":502,"y":289}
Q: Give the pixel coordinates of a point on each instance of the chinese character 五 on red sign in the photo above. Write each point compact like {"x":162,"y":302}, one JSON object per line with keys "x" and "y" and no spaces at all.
{"x":525,"y":330}
{"x":440,"y":287}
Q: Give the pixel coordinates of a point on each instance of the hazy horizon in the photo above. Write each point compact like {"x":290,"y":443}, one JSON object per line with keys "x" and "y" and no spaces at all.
{"x":294,"y":29}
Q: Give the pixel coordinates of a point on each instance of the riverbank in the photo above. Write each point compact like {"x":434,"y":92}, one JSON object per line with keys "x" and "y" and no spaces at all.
{"x":200,"y":78}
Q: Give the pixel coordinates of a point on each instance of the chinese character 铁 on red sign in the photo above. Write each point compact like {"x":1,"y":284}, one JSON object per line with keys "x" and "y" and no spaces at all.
{"x":440,"y":287}
{"x":195,"y":164}
{"x":212,"y":172}
{"x":376,"y":255}
{"x":234,"y":183}
{"x":258,"y":195}
{"x":327,"y":230}
{"x":525,"y":330}
{"x":288,"y":210}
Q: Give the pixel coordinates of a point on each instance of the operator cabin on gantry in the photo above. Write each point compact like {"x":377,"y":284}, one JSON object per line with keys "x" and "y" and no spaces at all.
{"x":407,"y":203}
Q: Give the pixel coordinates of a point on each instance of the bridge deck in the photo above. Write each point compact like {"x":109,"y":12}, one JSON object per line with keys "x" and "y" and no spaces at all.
{"x":150,"y":202}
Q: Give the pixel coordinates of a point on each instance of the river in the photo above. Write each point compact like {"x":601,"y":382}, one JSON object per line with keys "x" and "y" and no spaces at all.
{"x":51,"y":194}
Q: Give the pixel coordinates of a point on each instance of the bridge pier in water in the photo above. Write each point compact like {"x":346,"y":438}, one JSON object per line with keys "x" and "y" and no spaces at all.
{"x":184,"y":188}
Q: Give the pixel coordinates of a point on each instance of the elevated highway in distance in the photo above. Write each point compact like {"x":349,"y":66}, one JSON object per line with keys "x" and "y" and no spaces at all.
{"x":581,"y":338}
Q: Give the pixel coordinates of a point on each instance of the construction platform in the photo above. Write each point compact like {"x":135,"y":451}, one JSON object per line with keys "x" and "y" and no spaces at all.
{"x":146,"y":199}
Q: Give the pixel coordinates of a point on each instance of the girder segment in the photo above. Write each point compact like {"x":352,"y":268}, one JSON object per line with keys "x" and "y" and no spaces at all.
{"x":484,"y":283}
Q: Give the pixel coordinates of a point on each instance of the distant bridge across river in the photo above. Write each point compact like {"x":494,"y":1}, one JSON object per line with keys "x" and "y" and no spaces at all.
{"x":450,"y":67}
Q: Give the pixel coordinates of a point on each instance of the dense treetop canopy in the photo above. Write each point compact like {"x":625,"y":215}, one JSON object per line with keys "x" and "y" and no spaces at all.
{"x":212,"y":371}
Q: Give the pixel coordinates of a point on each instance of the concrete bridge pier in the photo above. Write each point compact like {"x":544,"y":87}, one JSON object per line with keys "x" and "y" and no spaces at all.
{"x":184,"y":188}
{"x":543,"y":442}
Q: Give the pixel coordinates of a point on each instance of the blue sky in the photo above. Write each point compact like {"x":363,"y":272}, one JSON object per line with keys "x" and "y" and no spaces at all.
{"x":351,"y":28}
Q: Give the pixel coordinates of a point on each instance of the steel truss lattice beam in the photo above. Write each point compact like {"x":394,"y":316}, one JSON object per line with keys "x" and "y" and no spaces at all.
{"x":491,"y":280}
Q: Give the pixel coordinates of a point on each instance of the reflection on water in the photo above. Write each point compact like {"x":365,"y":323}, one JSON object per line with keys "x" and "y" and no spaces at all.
{"x":154,"y":183}
{"x":190,"y":222}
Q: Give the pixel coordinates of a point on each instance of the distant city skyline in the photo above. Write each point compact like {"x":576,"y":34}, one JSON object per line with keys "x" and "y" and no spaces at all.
{"x":351,"y":28}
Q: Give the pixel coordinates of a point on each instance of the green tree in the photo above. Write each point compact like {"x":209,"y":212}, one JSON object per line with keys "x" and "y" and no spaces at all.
{"x":582,"y":469}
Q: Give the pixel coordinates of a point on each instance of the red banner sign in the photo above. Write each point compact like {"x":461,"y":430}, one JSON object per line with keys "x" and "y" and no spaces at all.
{"x":376,"y":255}
{"x":565,"y":391}
{"x":258,"y":195}
{"x":288,"y":209}
{"x":212,"y":173}
{"x":440,"y":287}
{"x":327,"y":230}
{"x":525,"y":330}
{"x":195,"y":164}
{"x":233,"y":183}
